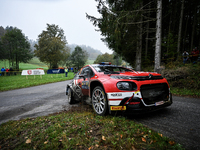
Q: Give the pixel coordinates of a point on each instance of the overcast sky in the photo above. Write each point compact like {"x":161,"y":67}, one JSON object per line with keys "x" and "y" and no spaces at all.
{"x":31,"y":16}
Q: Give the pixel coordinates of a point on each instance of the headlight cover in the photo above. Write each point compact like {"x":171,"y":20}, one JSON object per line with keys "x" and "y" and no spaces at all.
{"x":128,"y":86}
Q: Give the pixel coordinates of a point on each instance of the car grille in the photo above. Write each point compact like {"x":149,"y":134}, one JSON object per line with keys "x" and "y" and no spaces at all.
{"x":152,"y":93}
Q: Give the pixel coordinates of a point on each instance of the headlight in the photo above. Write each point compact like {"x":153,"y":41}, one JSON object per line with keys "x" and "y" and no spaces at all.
{"x":129,"y":86}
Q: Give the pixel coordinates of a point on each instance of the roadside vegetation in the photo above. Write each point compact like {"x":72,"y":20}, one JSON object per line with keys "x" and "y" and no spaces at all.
{"x":80,"y":128}
{"x":183,"y":79}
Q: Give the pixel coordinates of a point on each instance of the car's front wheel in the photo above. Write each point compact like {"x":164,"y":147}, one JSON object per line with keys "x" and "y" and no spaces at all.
{"x":99,"y":101}
{"x":70,"y":96}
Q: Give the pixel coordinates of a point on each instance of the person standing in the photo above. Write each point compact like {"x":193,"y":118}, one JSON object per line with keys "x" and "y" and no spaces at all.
{"x":185,"y":56}
{"x":3,"y":71}
{"x":11,"y":71}
{"x":66,"y":71}
{"x":7,"y":72}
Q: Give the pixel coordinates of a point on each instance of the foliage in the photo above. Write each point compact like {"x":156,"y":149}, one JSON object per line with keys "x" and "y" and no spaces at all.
{"x":93,"y":53}
{"x":79,"y":128}
{"x":15,"y":47}
{"x":51,"y":48}
{"x":184,"y":80}
{"x":169,"y":46}
{"x":78,"y":57}
{"x":18,"y":81}
{"x":104,"y":58}
{"x":117,"y":27}
{"x":2,"y":32}
{"x":114,"y":59}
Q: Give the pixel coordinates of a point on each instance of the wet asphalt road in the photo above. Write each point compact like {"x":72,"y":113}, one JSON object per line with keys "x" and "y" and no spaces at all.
{"x":33,"y":101}
{"x":180,"y":121}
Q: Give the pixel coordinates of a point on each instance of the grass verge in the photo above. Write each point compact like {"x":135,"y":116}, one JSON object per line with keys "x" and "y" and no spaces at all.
{"x":19,"y":81}
{"x":80,"y":128}
{"x":195,"y":93}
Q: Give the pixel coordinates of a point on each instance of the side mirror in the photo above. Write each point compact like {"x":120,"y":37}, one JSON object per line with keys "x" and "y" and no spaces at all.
{"x":82,"y":76}
{"x":85,"y":75}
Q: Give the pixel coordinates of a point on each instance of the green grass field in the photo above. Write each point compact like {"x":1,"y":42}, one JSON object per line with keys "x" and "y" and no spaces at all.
{"x":19,"y":81}
{"x":32,"y":64}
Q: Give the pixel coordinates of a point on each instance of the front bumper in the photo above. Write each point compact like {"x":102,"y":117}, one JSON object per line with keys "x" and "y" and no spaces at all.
{"x":136,"y":106}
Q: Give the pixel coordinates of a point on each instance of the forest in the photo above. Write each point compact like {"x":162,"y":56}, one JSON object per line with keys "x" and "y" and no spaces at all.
{"x":129,"y":28}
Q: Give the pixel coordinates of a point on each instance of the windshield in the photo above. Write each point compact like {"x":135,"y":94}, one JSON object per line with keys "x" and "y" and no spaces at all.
{"x":110,"y":69}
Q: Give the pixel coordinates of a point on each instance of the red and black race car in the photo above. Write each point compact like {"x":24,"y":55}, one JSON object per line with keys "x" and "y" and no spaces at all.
{"x":110,"y":88}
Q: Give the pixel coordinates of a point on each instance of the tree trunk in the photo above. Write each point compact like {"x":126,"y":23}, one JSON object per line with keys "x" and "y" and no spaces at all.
{"x":185,"y":33}
{"x":193,"y":29}
{"x":147,"y":37}
{"x":158,"y":36}
{"x":139,"y":46}
{"x":180,"y":29}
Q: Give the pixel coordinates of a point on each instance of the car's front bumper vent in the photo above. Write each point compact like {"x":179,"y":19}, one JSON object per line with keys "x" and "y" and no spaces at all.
{"x":152,"y":93}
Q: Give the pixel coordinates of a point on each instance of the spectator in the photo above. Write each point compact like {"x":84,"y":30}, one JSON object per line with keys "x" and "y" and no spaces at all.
{"x":3,"y":71}
{"x":195,"y":54}
{"x":7,"y":72}
{"x":185,"y":56}
{"x":66,"y":71}
{"x":11,"y":70}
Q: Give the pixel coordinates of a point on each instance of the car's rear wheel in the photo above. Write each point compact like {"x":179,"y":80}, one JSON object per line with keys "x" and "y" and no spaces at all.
{"x":99,"y":101}
{"x":70,"y":96}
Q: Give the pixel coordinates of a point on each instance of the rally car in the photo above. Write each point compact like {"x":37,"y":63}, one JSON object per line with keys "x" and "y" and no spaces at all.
{"x":110,"y":88}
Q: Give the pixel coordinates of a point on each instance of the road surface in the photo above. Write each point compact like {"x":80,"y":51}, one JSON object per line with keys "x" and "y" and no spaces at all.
{"x":33,"y":101}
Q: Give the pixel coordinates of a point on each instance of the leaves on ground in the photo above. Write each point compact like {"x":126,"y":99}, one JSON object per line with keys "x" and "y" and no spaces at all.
{"x":80,"y":128}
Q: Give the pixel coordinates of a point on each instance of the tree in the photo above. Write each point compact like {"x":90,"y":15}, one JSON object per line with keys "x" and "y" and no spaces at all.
{"x":15,"y":47}
{"x":158,"y":36}
{"x":180,"y":28}
{"x":51,"y":47}
{"x":104,"y":58}
{"x":129,"y":28}
{"x":2,"y":32}
{"x":121,"y":25}
{"x":79,"y":57}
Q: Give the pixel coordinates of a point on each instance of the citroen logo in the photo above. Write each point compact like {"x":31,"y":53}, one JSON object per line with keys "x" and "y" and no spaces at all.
{"x":150,"y":76}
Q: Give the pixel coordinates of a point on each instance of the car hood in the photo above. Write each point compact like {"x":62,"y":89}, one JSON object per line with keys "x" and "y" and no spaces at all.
{"x":140,"y":76}
{"x":139,"y":73}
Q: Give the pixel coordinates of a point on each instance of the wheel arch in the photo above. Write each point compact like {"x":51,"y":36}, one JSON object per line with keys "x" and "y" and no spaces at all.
{"x":94,"y":84}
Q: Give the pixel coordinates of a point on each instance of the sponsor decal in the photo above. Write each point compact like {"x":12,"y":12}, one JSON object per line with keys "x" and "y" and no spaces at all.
{"x":115,"y":108}
{"x":134,"y":103}
{"x":85,"y":85}
{"x":116,"y":94}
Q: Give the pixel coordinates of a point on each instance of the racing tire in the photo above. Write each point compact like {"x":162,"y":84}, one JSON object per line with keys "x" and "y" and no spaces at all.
{"x":99,"y":101}
{"x":70,"y":96}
